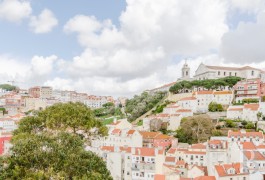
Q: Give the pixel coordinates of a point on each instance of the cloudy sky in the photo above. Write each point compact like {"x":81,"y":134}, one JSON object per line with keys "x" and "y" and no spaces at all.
{"x":120,"y":48}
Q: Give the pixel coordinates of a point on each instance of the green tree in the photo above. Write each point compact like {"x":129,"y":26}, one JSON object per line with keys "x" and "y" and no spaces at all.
{"x":139,"y":105}
{"x":8,"y":87}
{"x":230,"y":123}
{"x":195,"y":129}
{"x":47,"y":146}
{"x":214,"y":107}
{"x":250,"y":125}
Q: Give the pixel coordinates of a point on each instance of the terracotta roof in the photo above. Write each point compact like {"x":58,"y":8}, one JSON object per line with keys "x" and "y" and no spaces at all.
{"x":111,"y":149}
{"x":222,"y":92}
{"x":215,"y":142}
{"x":262,"y":146}
{"x":163,"y":115}
{"x":116,"y":131}
{"x":160,"y":177}
{"x":163,"y":136}
{"x":204,"y":92}
{"x":254,"y":155}
{"x":170,"y":159}
{"x":246,"y":134}
{"x":180,"y":163}
{"x":149,"y":135}
{"x":173,"y":106}
{"x":252,"y":107}
{"x":248,"y":146}
{"x":188,"y":99}
{"x":235,"y":109}
{"x":195,"y":152}
{"x":198,"y":146}
{"x":184,"y":110}
{"x":130,"y":132}
{"x":144,"y":151}
{"x":107,"y":148}
{"x":223,"y":169}
{"x":172,"y":151}
{"x":205,"y":178}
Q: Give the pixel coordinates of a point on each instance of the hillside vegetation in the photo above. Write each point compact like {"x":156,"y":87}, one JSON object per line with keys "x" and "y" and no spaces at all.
{"x":209,"y":84}
{"x":140,"y":104}
{"x":8,"y":87}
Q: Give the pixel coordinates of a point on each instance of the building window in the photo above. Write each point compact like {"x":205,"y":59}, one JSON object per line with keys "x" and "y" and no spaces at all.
{"x":219,"y":73}
{"x":252,"y":73}
{"x":235,"y":74}
{"x":224,"y":73}
{"x":230,"y":74}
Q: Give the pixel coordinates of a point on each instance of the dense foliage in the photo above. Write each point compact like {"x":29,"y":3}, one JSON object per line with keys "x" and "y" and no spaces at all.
{"x":215,"y":107}
{"x":108,"y":110}
{"x":8,"y":87}
{"x":139,"y":105}
{"x":195,"y":129}
{"x":50,"y":145}
{"x":210,"y":84}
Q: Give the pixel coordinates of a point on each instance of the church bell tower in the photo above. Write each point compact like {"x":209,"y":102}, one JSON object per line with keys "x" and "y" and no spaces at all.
{"x":185,"y":72}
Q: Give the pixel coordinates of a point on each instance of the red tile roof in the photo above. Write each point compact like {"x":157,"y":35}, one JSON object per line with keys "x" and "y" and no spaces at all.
{"x":170,"y":159}
{"x":205,"y":178}
{"x":172,"y":151}
{"x":184,"y":110}
{"x":116,"y":131}
{"x":235,"y":109}
{"x":188,"y":99}
{"x":198,"y":146}
{"x":248,"y":146}
{"x":160,"y":177}
{"x":223,"y":169}
{"x":254,"y":155}
{"x":222,"y":92}
{"x":204,"y":92}
{"x":252,"y":107}
{"x":180,"y":163}
{"x":245,"y":134}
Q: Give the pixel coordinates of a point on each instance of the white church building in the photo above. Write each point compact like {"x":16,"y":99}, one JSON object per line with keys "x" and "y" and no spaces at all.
{"x":216,"y":72}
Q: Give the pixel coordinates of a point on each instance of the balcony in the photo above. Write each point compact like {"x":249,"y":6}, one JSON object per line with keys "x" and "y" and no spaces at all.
{"x":142,"y":166}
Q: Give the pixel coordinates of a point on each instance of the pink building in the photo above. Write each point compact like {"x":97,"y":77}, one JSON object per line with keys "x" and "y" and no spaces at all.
{"x":4,"y":143}
{"x":250,"y":88}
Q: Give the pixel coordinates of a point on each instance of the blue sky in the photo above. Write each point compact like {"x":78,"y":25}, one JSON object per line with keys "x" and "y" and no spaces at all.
{"x":71,"y":45}
{"x":19,"y":41}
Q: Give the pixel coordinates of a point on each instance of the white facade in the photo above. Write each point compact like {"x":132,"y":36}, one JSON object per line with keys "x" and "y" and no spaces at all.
{"x":215,"y":72}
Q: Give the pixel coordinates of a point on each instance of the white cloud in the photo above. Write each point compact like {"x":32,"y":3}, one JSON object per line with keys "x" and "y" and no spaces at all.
{"x":246,"y":43}
{"x":34,"y":72}
{"x":43,"y":23}
{"x":14,"y":10}
{"x":135,"y":56}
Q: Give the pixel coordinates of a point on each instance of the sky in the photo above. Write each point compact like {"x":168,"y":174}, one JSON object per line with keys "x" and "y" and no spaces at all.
{"x":123,"y":47}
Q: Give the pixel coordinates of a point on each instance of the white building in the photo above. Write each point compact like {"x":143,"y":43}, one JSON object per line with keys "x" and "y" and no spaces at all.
{"x":215,"y":72}
{"x":246,"y":112}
